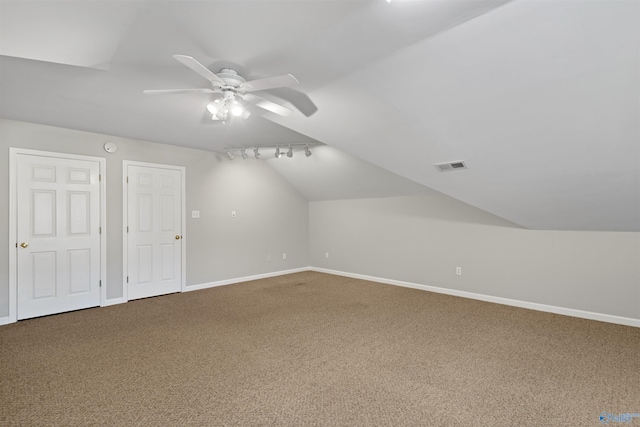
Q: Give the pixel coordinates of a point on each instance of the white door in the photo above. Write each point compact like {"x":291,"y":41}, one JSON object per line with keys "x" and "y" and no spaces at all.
{"x":58,"y":235}
{"x":154,"y":230}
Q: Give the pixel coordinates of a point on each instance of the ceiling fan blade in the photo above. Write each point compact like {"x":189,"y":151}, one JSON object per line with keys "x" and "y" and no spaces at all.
{"x":267,"y":105}
{"x":172,"y":91}
{"x":200,"y":69}
{"x":268,"y":83}
{"x":299,"y":100}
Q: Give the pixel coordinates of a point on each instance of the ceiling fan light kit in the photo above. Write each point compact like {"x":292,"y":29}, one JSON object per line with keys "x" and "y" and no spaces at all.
{"x":220,"y":109}
{"x":233,"y":88}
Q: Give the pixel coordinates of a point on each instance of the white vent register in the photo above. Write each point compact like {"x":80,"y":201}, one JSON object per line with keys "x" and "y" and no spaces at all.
{"x":449,"y":166}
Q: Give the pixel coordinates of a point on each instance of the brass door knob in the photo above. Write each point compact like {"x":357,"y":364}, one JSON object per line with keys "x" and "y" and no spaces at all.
{"x":178,"y":237}
{"x":24,"y":245}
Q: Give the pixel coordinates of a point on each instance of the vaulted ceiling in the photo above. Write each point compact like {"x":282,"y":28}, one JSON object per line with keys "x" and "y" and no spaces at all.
{"x":541,"y":99}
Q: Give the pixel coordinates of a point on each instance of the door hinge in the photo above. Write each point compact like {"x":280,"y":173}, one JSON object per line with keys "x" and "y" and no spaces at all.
{"x":99,"y":177}
{"x":127,"y":228}
{"x":127,"y":279}
{"x":99,"y":230}
{"x":100,"y":283}
{"x":127,"y":180}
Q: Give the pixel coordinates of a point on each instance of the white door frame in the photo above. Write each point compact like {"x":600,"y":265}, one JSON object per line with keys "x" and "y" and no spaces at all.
{"x":125,"y":210}
{"x":13,"y":221}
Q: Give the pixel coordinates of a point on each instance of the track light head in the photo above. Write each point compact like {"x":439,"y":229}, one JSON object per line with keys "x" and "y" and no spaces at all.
{"x":243,"y":152}
{"x":256,"y":153}
{"x":290,"y":152}
{"x":278,"y":154}
{"x":307,"y":152}
{"x":230,"y":154}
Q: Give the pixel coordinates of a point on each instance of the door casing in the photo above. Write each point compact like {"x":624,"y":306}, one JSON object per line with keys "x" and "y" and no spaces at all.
{"x":13,"y":221}
{"x":125,"y":210}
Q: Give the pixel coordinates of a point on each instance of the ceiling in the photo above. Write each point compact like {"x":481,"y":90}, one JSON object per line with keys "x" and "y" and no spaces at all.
{"x":541,"y":99}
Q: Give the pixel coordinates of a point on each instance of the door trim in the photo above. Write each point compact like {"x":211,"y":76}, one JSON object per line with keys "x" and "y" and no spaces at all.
{"x":13,"y":221}
{"x":125,"y":210}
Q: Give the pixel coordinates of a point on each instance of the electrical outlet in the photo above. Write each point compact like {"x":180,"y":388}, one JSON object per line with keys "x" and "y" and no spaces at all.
{"x":459,"y":271}
{"x":233,"y":214}
{"x":284,"y":256}
{"x":195,"y":214}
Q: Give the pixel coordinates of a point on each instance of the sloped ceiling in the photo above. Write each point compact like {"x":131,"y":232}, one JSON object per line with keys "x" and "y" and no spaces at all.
{"x":541,"y":99}
{"x":332,"y":174}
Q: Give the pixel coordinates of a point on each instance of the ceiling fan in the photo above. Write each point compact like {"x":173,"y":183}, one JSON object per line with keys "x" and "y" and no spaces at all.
{"x":232,"y":86}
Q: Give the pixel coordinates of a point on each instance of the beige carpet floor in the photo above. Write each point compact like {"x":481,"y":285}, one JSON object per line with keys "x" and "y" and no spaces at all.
{"x":311,"y":349}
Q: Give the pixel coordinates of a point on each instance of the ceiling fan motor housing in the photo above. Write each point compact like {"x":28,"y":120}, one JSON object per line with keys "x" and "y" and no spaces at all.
{"x":231,"y":77}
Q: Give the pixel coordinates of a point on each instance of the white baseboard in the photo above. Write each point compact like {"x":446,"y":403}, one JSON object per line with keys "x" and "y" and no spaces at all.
{"x":488,"y":298}
{"x":113,"y":301}
{"x":122,"y":300}
{"x":628,"y":321}
{"x":243,"y":279}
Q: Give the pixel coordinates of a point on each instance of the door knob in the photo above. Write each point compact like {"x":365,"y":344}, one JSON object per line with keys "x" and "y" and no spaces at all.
{"x":24,"y":245}
{"x":177,"y":237}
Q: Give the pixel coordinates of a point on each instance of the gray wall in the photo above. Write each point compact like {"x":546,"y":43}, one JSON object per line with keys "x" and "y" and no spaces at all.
{"x":418,"y":239}
{"x":422,"y":239}
{"x":272,"y":217}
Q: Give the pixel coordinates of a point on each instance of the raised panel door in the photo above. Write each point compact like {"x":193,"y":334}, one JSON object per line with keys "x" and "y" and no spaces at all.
{"x":154,"y":221}
{"x":58,"y":253}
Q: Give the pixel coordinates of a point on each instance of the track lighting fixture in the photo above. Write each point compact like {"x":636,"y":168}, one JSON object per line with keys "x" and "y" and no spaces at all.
{"x":242,"y":151}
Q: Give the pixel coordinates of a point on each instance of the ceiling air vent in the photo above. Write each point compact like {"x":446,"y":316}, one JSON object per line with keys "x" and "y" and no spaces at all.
{"x":449,"y":166}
